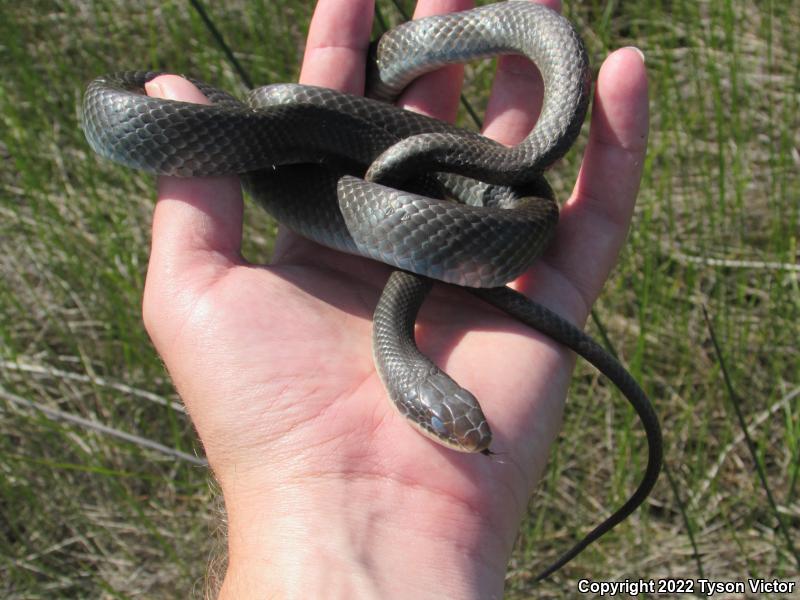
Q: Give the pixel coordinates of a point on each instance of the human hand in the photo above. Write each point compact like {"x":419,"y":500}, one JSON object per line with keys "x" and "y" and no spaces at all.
{"x":326,"y":486}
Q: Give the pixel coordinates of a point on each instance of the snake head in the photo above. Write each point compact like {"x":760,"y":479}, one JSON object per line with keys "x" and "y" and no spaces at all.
{"x":446,"y":412}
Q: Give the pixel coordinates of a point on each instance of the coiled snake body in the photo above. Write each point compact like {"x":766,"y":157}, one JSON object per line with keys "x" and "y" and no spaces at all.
{"x":504,"y":218}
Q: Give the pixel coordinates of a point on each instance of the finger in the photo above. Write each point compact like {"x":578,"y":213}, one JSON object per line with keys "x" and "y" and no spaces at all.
{"x":197,"y":221}
{"x":436,"y":94}
{"x":336,"y":50}
{"x":516,"y":97}
{"x":594,"y":222}
{"x":335,"y":57}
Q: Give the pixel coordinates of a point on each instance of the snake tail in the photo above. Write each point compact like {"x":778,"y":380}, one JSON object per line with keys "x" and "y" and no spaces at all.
{"x":562,"y":331}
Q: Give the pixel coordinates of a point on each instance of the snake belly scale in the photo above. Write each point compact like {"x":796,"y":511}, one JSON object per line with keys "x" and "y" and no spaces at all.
{"x":349,"y":157}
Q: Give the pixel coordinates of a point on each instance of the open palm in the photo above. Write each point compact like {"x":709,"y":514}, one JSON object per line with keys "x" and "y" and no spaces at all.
{"x":275,"y":363}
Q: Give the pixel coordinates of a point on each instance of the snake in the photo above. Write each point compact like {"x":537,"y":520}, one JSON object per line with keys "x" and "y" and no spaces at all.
{"x":434,"y":201}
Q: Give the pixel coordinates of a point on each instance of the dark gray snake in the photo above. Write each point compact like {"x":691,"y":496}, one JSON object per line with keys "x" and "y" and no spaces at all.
{"x":292,"y":141}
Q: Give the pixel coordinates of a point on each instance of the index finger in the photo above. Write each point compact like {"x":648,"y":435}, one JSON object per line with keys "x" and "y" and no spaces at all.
{"x":336,"y":50}
{"x":335,"y":57}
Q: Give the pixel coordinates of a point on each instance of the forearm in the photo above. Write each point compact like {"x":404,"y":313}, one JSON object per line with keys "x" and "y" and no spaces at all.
{"x":359,"y":539}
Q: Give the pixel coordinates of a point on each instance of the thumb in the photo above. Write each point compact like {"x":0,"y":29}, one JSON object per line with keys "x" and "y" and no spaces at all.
{"x":197,"y":227}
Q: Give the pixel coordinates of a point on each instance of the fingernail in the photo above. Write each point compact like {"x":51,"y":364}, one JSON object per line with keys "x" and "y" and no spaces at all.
{"x":641,"y":54}
{"x":154,"y":89}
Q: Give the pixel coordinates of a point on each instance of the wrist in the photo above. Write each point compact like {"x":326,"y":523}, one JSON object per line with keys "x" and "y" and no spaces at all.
{"x":360,"y":538}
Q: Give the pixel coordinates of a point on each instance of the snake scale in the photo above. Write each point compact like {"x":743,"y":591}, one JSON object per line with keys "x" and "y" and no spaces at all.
{"x":291,"y":141}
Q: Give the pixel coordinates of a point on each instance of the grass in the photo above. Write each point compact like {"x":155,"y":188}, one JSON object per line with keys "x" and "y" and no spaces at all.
{"x":84,"y":513}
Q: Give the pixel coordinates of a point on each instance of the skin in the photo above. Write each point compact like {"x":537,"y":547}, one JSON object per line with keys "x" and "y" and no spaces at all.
{"x":328,"y":490}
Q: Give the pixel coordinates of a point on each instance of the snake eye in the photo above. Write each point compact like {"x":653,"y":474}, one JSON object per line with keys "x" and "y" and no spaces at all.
{"x":438,"y":425}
